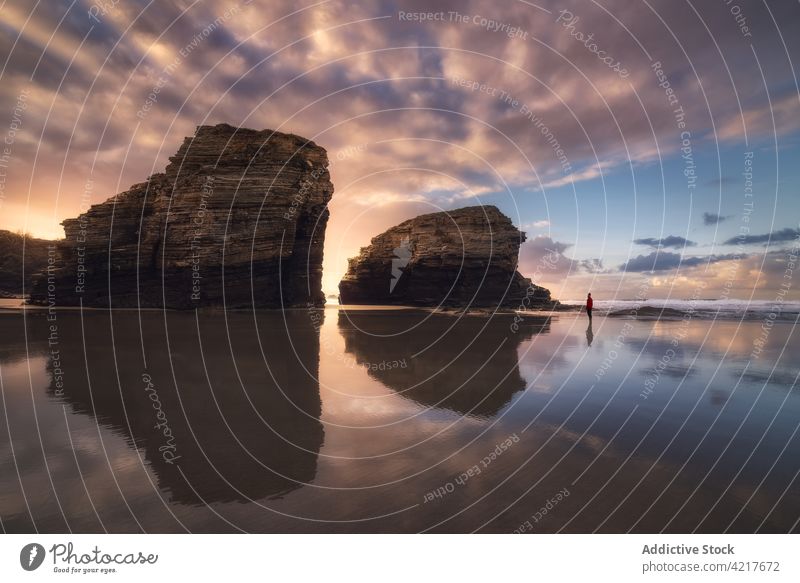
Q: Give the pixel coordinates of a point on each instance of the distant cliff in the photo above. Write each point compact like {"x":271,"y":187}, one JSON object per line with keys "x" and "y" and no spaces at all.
{"x":237,"y":219}
{"x":14,"y":256}
{"x":464,"y":257}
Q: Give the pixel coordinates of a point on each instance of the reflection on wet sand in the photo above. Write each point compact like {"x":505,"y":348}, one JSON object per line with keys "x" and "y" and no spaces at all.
{"x":216,"y":420}
{"x":468,"y":365}
{"x":178,"y":425}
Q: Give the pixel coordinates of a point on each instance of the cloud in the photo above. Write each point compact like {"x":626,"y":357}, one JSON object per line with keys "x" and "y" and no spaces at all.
{"x":542,"y":257}
{"x":589,"y":173}
{"x":757,"y":276}
{"x":655,"y":261}
{"x":669,"y":241}
{"x":714,"y":219}
{"x":545,"y":244}
{"x":665,"y":260}
{"x":594,"y":266}
{"x":780,"y":116}
{"x":536,"y":224}
{"x":782,"y":236}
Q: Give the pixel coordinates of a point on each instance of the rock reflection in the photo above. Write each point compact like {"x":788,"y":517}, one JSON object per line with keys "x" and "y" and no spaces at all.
{"x":215,"y":420}
{"x":463,"y":365}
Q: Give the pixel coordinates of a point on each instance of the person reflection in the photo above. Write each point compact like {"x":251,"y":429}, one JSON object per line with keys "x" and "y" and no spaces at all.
{"x":589,"y":333}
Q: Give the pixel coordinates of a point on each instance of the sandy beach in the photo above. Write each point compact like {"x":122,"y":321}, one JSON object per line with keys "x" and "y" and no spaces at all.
{"x":341,"y":420}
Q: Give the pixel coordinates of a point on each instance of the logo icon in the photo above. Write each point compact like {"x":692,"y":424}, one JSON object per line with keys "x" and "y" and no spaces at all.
{"x":402,"y":255}
{"x":31,"y":556}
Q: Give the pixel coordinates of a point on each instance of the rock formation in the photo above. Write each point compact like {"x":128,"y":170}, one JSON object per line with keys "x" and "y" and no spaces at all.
{"x":237,"y":219}
{"x":465,"y":257}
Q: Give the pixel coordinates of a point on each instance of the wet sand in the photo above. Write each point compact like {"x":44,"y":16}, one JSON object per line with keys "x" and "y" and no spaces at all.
{"x":341,"y":420}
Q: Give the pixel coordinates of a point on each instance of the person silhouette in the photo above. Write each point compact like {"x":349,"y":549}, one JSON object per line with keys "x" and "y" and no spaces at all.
{"x":589,"y":333}
{"x":589,"y":304}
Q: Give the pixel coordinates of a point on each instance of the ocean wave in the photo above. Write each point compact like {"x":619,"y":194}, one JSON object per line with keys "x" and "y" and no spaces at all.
{"x":700,"y":309}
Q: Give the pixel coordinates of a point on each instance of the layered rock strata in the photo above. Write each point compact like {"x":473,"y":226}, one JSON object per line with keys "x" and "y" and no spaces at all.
{"x":237,"y":219}
{"x":21,"y":257}
{"x":464,"y":258}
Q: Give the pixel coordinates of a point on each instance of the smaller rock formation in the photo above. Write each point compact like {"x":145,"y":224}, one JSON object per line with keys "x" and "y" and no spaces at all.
{"x":460,"y":258}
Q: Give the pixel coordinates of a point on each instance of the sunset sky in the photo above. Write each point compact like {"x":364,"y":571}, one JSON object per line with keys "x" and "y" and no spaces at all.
{"x":639,"y":153}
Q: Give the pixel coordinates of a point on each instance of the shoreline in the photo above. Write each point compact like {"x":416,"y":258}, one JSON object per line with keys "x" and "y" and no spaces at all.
{"x":345,"y":307}
{"x":737,"y":310}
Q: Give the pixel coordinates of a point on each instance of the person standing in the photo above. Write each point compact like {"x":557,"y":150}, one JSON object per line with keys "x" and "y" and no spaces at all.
{"x":589,"y":303}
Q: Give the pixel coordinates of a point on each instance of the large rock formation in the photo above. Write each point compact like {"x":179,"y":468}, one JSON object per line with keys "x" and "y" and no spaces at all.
{"x":465,"y":257}
{"x":237,"y":219}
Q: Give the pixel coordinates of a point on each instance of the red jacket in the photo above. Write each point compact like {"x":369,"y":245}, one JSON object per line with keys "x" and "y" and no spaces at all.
{"x":589,"y":303}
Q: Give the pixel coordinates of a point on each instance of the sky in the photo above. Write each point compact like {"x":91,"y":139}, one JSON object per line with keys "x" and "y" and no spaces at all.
{"x":649,"y":147}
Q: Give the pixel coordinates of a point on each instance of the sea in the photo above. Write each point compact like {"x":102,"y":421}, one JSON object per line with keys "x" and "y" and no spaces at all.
{"x":713,"y":309}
